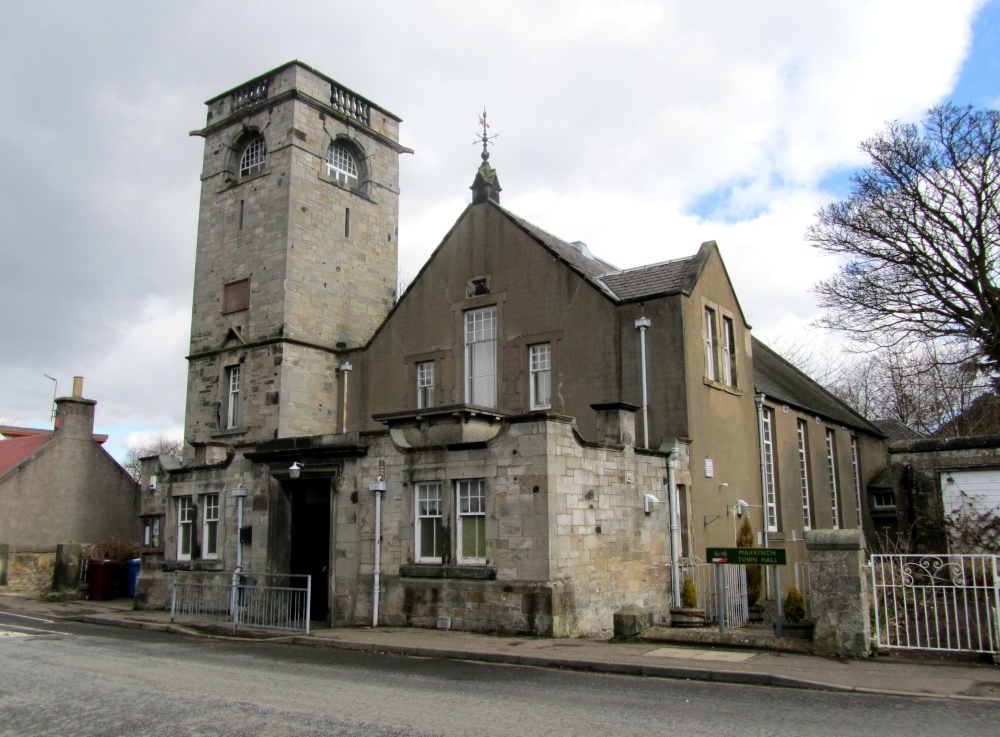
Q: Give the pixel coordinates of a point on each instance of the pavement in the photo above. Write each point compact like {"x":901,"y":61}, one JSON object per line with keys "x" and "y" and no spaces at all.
{"x":688,"y":655}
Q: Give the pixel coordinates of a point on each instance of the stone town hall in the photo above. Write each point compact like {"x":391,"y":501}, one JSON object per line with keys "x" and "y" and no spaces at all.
{"x":477,"y":447}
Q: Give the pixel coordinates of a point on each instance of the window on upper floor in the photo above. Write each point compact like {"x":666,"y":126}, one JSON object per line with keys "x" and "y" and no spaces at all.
{"x":430,"y":532}
{"x":341,"y":164}
{"x":471,"y":522}
{"x":728,"y":352}
{"x":425,"y":384}
{"x":481,"y":357}
{"x":710,"y":344}
{"x":540,"y":369}
{"x":236,"y":296}
{"x":232,"y":401}
{"x":254,"y":156}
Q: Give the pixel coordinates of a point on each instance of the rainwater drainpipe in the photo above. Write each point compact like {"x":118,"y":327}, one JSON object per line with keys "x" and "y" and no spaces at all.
{"x":240,"y":494}
{"x":345,"y":369}
{"x":675,"y":567}
{"x":379,"y":488}
{"x":759,"y":398}
{"x":642,"y":323}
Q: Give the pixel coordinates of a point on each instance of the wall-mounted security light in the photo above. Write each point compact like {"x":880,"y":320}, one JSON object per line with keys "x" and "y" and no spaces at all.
{"x":152,"y":482}
{"x":741,"y":507}
{"x":647,"y":503}
{"x":295,"y":470}
{"x":723,"y":485}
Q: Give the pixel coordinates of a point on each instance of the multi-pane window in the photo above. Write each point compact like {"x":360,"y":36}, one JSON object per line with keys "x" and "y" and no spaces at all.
{"x":729,"y":348}
{"x":236,"y":296}
{"x":254,"y":157}
{"x":425,"y":385}
{"x":471,"y":532}
{"x":481,"y":357}
{"x":340,"y":164}
{"x":831,"y":469}
{"x":540,"y":365}
{"x":770,"y":489}
{"x":430,"y":533}
{"x":710,"y":367}
{"x":804,"y":476}
{"x":856,"y":470}
{"x":232,"y":397}
{"x":185,"y":525}
{"x":210,"y":526}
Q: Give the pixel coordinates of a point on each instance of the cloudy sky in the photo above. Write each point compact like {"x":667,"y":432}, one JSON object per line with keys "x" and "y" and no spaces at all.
{"x":641,"y":128}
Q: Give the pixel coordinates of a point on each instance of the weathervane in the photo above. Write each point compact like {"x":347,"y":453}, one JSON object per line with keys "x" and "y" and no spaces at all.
{"x":485,"y":138}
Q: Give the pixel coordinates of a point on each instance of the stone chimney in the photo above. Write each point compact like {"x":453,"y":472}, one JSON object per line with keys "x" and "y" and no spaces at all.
{"x":616,"y":423}
{"x":75,"y":415}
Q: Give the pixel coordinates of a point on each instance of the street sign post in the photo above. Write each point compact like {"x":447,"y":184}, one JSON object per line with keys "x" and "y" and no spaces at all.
{"x":746,"y":557}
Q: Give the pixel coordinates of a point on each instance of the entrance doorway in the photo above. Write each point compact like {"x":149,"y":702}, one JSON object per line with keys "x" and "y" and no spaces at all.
{"x":310,"y":548}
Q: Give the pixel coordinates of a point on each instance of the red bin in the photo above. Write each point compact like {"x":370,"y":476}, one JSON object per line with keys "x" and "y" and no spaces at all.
{"x":103,"y":579}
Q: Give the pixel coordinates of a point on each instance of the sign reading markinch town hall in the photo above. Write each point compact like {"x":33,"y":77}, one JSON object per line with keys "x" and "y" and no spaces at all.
{"x":747,"y":556}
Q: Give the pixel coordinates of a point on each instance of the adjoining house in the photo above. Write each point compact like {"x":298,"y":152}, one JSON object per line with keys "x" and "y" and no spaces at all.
{"x":61,"y":485}
{"x":526,"y":440}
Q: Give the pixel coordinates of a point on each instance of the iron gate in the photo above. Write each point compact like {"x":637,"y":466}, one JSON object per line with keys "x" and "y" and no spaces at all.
{"x":936,"y":602}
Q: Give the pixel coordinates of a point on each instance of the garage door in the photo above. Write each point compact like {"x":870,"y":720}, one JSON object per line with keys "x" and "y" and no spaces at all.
{"x":972,"y":500}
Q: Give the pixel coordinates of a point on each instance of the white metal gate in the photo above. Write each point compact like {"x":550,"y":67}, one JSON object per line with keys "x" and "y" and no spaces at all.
{"x":936,"y":602}
{"x":734,"y":582}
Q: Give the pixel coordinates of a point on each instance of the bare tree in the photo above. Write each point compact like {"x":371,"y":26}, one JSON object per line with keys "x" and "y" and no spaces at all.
{"x":921,"y":234}
{"x":161,"y":446}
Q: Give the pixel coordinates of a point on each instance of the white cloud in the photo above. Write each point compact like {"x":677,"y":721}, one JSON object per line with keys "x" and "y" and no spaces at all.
{"x":642,"y":128}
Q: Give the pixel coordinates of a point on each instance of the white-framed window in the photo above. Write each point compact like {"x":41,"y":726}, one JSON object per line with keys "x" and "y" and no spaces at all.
{"x":710,"y":363}
{"x":729,"y":352}
{"x":233,"y":413}
{"x":425,"y":385}
{"x":429,"y":523}
{"x":210,"y":526}
{"x":770,"y":488}
{"x":540,"y":367}
{"x":185,"y":526}
{"x":831,"y":470}
{"x":481,"y":357}
{"x":471,"y":523}
{"x":804,"y":476}
{"x":340,"y":163}
{"x":856,"y":471}
{"x":254,"y":156}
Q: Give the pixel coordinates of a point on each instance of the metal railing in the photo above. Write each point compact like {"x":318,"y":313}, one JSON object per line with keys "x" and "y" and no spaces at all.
{"x":265,"y":600}
{"x":734,"y":583}
{"x":936,"y":602}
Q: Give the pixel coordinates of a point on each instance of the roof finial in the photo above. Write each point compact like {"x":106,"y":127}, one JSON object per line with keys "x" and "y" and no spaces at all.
{"x":485,"y":139}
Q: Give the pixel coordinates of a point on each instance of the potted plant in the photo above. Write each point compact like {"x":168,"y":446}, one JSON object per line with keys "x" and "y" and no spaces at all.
{"x":794,"y":622}
{"x":689,"y":615}
{"x":745,"y":539}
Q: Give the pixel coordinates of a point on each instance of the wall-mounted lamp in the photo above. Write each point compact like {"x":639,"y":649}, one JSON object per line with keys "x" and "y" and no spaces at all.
{"x":647,"y":503}
{"x":723,"y":485}
{"x":295,"y":470}
{"x":741,"y":507}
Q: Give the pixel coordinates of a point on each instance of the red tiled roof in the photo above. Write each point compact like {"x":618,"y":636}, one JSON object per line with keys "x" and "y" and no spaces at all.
{"x":15,"y":450}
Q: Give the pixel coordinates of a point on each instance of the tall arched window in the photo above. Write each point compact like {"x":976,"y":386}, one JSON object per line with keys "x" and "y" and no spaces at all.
{"x":254,"y":156}
{"x":340,"y":164}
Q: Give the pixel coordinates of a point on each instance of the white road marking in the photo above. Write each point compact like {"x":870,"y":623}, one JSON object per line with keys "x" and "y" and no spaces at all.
{"x":25,"y":616}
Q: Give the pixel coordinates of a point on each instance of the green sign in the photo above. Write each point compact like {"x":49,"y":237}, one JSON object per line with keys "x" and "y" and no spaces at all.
{"x":747,"y":556}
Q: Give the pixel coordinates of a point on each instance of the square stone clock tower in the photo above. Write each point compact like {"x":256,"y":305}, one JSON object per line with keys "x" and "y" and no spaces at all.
{"x":296,"y":256}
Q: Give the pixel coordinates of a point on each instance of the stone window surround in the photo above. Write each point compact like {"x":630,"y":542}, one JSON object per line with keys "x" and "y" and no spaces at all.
{"x":362,"y":185}
{"x":439,"y":359}
{"x":523,"y":344}
{"x":720,"y":314}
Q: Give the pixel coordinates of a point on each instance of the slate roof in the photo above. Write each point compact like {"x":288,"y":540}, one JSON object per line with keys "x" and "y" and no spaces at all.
{"x":896,"y":430}
{"x":623,"y":285}
{"x":645,"y":281}
{"x":14,"y":450}
{"x":781,"y":381}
